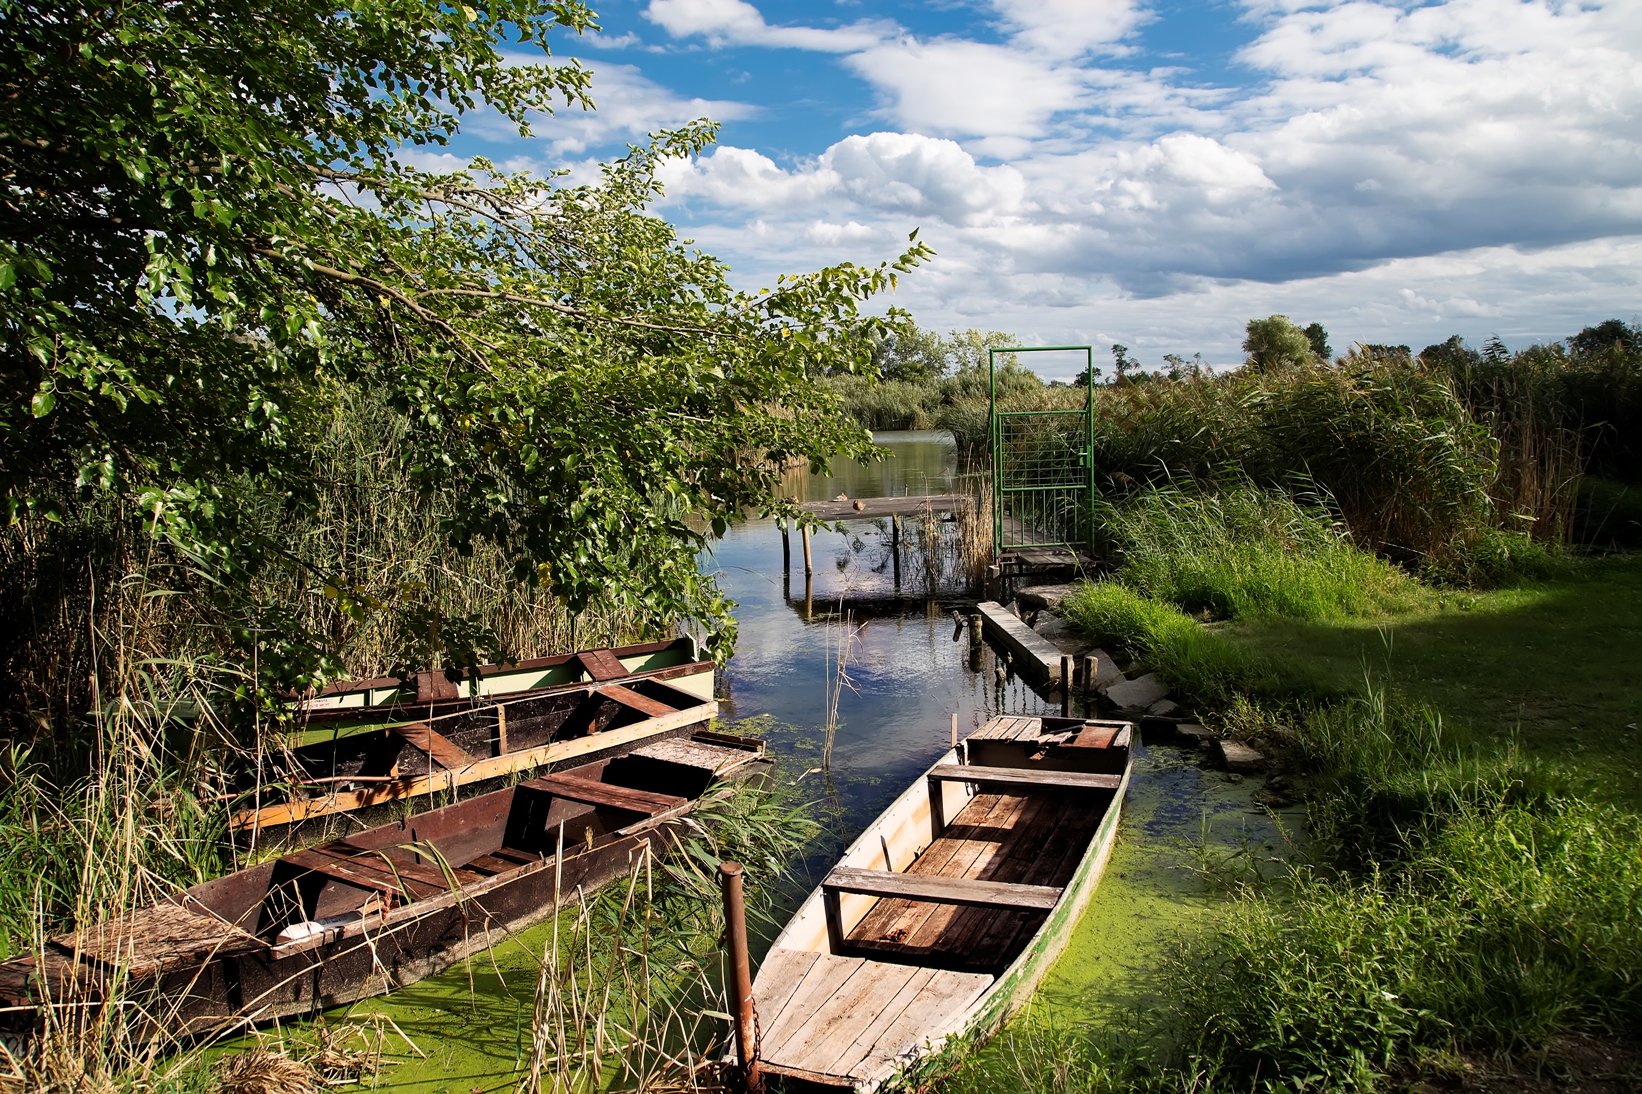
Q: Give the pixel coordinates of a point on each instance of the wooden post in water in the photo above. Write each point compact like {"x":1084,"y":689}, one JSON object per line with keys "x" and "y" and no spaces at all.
{"x":954,"y":729}
{"x":1065,"y":686}
{"x":741,"y":975}
{"x":895,"y":546}
{"x":1090,"y":664}
{"x":786,"y":548}
{"x":804,"y":531}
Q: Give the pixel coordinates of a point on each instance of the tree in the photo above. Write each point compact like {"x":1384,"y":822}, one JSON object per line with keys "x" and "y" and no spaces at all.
{"x":207,"y":230}
{"x":909,"y":353}
{"x":1607,"y":336}
{"x":1276,"y":343}
{"x":1317,"y":335}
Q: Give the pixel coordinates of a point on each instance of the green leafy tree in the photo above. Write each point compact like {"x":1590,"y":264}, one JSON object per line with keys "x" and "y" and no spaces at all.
{"x":207,"y":230}
{"x":910,"y":354}
{"x":1317,"y":335}
{"x":1276,"y":343}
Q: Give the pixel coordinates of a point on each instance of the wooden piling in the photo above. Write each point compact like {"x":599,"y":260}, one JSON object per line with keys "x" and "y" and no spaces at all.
{"x":786,"y":548}
{"x":954,"y":729}
{"x":804,"y":532}
{"x":1090,"y":665}
{"x":741,"y":975}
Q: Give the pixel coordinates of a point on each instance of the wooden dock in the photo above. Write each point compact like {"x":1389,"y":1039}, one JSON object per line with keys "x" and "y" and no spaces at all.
{"x":1033,"y":655}
{"x":873,"y":508}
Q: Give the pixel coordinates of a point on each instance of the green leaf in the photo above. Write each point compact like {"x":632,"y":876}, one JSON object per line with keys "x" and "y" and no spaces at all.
{"x":43,"y":401}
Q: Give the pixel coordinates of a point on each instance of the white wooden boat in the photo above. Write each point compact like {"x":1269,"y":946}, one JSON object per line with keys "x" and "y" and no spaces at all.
{"x":947,"y":911}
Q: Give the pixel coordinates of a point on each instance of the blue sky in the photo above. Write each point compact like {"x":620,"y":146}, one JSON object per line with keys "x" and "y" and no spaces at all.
{"x":1152,"y":173}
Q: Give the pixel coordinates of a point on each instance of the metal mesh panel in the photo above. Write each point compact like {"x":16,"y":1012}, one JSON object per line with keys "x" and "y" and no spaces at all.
{"x":1043,"y":478}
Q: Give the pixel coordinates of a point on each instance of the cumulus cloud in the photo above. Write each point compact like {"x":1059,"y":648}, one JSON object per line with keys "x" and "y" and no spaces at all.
{"x":737,"y":22}
{"x":629,"y":107}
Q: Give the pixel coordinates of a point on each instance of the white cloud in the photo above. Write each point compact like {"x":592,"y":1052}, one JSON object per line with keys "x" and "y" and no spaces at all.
{"x":1397,"y":170}
{"x":629,"y":107}
{"x":736,"y":22}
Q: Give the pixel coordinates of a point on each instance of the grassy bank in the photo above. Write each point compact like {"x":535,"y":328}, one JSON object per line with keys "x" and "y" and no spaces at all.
{"x":1470,"y":888}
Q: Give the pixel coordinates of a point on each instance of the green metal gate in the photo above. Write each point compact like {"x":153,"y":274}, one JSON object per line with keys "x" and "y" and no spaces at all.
{"x":1042,"y":477}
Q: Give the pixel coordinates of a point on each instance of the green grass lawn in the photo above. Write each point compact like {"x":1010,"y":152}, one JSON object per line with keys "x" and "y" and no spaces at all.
{"x":1557,"y":663}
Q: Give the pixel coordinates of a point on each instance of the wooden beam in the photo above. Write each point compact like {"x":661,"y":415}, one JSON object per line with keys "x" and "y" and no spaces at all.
{"x":627,"y":697}
{"x":435,"y":745}
{"x":942,"y":890}
{"x":578,"y":789}
{"x":493,"y":768}
{"x":1014,"y":776}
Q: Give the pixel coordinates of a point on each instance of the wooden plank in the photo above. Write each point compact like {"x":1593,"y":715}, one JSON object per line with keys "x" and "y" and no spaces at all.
{"x":824,"y":978}
{"x":941,"y":1008}
{"x":778,"y":978}
{"x":576,"y":788}
{"x":479,"y":770}
{"x":1033,"y":654}
{"x":1097,"y":735}
{"x":426,"y":874}
{"x":874,"y":508}
{"x":342,"y":870}
{"x":844,"y":1056}
{"x":1024,"y":777}
{"x":425,"y":739}
{"x":627,"y":697}
{"x":847,"y":1014}
{"x":603,"y":665}
{"x":963,"y":891}
{"x":702,"y":754}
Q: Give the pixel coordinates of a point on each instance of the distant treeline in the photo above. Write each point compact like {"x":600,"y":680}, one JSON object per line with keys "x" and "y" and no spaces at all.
{"x":1444,"y":459}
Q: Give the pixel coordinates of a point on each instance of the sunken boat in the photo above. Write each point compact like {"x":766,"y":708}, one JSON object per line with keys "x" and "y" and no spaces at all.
{"x":947,"y":911}
{"x":382,"y":908}
{"x":373,"y":743}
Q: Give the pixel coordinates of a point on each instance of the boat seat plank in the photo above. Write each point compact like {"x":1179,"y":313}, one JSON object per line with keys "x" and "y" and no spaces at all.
{"x":942,"y":890}
{"x":871,"y":989}
{"x":602,"y":665}
{"x":424,"y":738}
{"x":576,"y":788}
{"x":627,"y":697}
{"x":362,"y":873}
{"x":778,"y":979}
{"x":702,"y":754}
{"x":1024,"y":777}
{"x":495,"y":863}
{"x":962,"y":852}
{"x":426,"y":873}
{"x":937,"y":1010}
{"x":839,"y":1054}
{"x":160,"y":936}
{"x":824,"y":977}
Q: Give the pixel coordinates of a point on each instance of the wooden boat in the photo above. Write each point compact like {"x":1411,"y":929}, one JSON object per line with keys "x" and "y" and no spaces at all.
{"x":943,"y":916}
{"x":372,"y":742}
{"x":382,"y":908}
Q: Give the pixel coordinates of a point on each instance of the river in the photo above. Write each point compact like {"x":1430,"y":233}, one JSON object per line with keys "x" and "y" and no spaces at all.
{"x":907,"y":673}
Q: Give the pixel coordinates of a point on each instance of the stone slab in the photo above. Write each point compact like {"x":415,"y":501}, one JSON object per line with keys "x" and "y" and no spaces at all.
{"x":1044,"y":596}
{"x":1065,"y":637}
{"x":1163,"y":708}
{"x":1138,"y":694}
{"x":1191,"y":735}
{"x":1239,"y":757}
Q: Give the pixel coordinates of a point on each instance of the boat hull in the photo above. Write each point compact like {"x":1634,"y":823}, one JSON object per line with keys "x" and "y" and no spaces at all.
{"x":809,"y":991}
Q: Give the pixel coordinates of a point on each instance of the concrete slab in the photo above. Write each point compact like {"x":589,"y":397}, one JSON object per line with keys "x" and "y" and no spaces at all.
{"x":1191,"y":735}
{"x":1138,"y":694}
{"x":1033,"y":655}
{"x":1163,"y":708}
{"x":1064,"y":636}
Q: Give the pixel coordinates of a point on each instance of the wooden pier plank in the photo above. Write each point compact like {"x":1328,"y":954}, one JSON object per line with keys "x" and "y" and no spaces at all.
{"x":874,"y":508}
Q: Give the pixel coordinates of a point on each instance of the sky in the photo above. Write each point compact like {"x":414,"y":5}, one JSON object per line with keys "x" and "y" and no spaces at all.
{"x":1146,"y":172}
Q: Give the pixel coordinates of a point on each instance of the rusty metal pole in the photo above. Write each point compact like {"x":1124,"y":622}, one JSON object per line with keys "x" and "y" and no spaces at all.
{"x":741,"y":977}
{"x":1065,"y":686}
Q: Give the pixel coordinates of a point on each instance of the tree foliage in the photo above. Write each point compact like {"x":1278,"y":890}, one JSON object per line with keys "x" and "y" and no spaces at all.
{"x":208,"y":229}
{"x":1276,"y":343}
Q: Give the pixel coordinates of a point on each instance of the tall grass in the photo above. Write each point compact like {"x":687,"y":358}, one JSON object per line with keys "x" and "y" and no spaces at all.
{"x":1243,"y":552}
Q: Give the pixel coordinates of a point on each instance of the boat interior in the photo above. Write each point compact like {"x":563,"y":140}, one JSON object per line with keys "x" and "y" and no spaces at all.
{"x":939,"y":896}
{"x":363,"y":754}
{"x":307,"y":898}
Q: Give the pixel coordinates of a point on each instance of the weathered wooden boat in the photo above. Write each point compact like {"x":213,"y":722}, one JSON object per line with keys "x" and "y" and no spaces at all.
{"x":373,"y":742}
{"x":382,"y":908}
{"x":943,"y":916}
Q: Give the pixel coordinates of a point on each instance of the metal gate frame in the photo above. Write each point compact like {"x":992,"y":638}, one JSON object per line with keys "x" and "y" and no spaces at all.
{"x":1069,"y":490}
